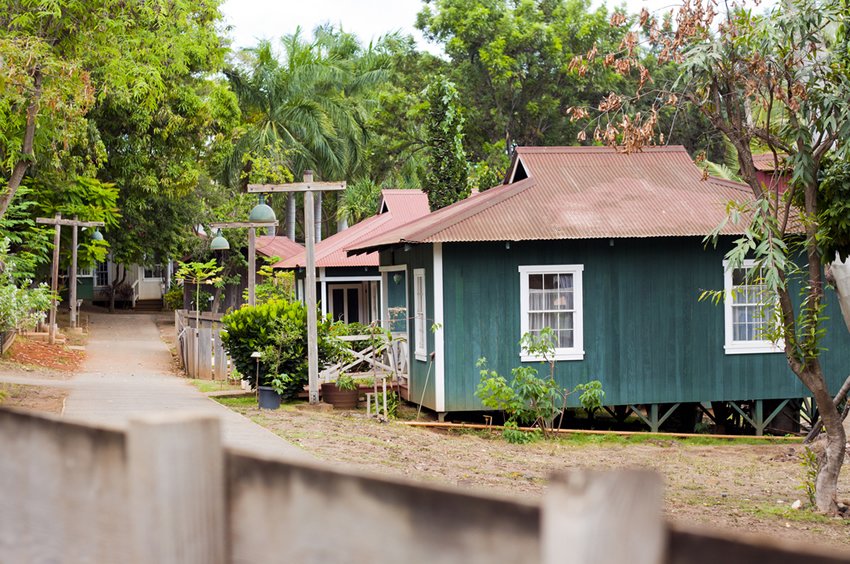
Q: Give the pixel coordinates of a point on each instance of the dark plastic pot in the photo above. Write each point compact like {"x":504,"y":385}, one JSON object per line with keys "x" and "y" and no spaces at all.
{"x":340,"y":399}
{"x":268,"y":398}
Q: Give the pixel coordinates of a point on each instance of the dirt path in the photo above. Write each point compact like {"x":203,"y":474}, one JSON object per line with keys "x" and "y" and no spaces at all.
{"x":741,"y":487}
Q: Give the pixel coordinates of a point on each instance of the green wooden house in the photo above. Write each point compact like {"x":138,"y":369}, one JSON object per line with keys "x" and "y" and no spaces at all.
{"x":607,"y":249}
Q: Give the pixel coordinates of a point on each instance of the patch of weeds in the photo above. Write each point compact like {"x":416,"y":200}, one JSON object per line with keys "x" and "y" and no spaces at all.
{"x":659,"y":439}
{"x":244,"y":401}
{"x":513,"y":435}
{"x":800,"y":515}
{"x":206,"y":386}
{"x":809,"y":462}
{"x":480,"y":433}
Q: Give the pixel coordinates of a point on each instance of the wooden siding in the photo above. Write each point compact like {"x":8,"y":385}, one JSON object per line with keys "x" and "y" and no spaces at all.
{"x":422,"y":373}
{"x":647,"y":338}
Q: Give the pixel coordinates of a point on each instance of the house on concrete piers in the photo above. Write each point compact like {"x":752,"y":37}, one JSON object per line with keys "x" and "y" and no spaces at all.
{"x":606,"y":249}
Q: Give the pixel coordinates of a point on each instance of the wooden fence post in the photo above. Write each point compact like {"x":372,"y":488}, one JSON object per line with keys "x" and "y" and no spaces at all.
{"x":602,"y":517}
{"x":177,"y":498}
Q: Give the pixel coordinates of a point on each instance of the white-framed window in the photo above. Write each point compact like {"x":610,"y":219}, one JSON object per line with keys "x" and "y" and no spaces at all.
{"x":748,"y":306}
{"x":156,"y":271}
{"x":85,"y":272}
{"x":551,"y":296}
{"x":101,"y":274}
{"x":420,"y":331}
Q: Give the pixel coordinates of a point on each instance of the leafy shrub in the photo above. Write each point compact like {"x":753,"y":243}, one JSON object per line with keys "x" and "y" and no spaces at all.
{"x":278,"y":330}
{"x":173,"y":298}
{"x":512,"y":434}
{"x":529,"y":399}
{"x":345,"y":383}
{"x":19,"y":306}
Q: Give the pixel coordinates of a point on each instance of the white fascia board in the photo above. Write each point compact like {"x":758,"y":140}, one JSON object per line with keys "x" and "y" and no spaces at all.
{"x":439,"y":342}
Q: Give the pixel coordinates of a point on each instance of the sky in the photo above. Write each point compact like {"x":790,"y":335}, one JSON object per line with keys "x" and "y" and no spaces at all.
{"x":368,"y":19}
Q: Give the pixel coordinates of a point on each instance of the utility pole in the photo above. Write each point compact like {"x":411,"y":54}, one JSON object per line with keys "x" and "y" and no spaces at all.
{"x":58,"y":222}
{"x":308,"y":187}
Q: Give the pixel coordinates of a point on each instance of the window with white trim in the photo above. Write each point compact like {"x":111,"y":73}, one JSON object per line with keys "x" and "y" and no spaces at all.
{"x":85,"y":272}
{"x":748,"y":307}
{"x":551,"y":296}
{"x":155,"y":271}
{"x":420,"y":332}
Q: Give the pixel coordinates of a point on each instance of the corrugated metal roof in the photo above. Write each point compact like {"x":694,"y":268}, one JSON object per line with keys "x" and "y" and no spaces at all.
{"x":583,"y":193}
{"x":397,"y":207}
{"x":278,"y":246}
{"x":765,"y":162}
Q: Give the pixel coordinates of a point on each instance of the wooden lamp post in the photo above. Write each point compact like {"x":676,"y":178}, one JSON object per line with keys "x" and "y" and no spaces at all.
{"x":308,"y":187}
{"x":54,"y":279}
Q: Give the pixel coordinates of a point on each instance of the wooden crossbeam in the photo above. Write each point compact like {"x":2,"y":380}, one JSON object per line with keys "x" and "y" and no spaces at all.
{"x":297,"y":187}
{"x":70,"y":222}
{"x":241,"y":224}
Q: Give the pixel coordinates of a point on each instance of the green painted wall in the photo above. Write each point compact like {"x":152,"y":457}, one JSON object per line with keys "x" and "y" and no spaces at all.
{"x":421,"y":372}
{"x":646,"y":335}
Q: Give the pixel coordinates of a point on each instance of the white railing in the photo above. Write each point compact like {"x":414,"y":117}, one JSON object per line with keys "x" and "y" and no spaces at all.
{"x":383,"y":357}
{"x":135,"y":288}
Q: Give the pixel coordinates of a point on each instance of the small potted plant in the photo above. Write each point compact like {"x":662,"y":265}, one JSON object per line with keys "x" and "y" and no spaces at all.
{"x":342,"y":394}
{"x":269,"y":396}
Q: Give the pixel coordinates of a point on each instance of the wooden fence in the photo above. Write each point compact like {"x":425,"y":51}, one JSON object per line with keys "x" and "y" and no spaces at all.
{"x":6,"y":340}
{"x":199,"y":346}
{"x":165,"y":491}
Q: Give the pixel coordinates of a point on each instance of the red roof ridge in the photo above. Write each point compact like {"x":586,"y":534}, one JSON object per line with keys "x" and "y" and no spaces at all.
{"x":578,"y":149}
{"x":457,"y":212}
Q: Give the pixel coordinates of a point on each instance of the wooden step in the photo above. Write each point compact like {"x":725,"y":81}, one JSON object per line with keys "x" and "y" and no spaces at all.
{"x":148,"y":305}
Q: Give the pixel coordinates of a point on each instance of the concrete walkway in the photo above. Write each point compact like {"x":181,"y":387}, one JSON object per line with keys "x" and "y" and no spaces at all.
{"x":126,"y":374}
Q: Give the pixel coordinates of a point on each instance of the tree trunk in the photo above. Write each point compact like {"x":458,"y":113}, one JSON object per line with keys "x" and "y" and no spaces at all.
{"x":826,"y":486}
{"x":23,"y":163}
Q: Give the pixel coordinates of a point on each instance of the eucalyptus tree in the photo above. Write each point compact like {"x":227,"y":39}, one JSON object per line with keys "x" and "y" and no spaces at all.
{"x":779,"y":79}
{"x":307,"y":104}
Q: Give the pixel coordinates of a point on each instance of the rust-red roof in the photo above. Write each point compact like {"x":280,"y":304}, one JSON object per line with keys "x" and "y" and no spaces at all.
{"x":765,"y":162}
{"x":396,"y":208}
{"x":278,"y":246}
{"x":582,"y":193}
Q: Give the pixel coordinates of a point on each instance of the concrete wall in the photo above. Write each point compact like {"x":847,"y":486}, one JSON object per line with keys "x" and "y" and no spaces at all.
{"x":63,"y":491}
{"x":166,"y":492}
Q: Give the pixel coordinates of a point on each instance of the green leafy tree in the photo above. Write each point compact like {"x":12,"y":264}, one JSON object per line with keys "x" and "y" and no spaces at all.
{"x":511,"y":63}
{"x":777,"y":79}
{"x":307,"y":106}
{"x":198,"y":273}
{"x":446,"y":178}
{"x":20,"y":305}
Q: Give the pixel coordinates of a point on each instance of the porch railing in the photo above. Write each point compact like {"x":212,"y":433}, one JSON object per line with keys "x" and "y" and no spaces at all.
{"x":381,"y":356}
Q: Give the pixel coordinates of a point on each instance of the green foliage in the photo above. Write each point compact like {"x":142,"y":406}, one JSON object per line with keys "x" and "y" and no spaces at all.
{"x":278,"y":330}
{"x":809,"y":463}
{"x":528,"y":399}
{"x":173,"y":298}
{"x":512,"y":434}
{"x":275,"y":285}
{"x":446,"y":178}
{"x":198,"y":273}
{"x":20,"y":306}
{"x":834,"y":217}
{"x":511,"y":64}
{"x":345,"y":382}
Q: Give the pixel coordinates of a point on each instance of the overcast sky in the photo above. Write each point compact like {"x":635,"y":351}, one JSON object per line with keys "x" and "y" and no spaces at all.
{"x":368,"y":19}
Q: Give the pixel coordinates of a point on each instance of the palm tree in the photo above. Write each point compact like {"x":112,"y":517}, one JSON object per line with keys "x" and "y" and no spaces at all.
{"x":308,"y":106}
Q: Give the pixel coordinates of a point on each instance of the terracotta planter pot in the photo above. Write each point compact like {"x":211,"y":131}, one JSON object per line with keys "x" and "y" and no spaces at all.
{"x":340,"y":399}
